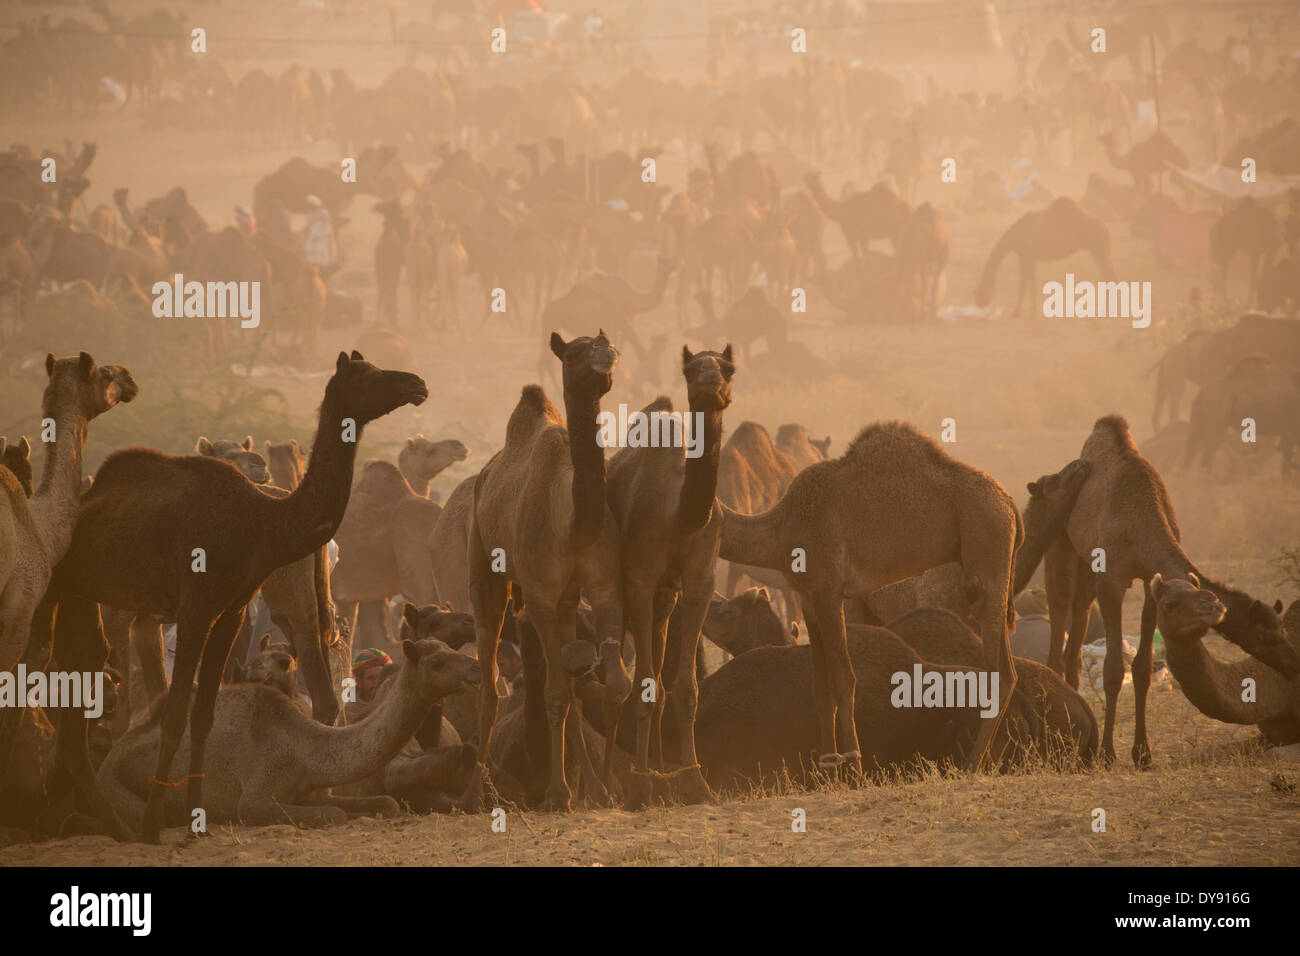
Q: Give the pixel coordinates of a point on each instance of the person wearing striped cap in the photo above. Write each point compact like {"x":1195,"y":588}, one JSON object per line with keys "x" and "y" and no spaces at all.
{"x":367,"y":668}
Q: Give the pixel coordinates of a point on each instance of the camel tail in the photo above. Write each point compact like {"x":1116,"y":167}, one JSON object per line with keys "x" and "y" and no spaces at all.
{"x":984,"y":291}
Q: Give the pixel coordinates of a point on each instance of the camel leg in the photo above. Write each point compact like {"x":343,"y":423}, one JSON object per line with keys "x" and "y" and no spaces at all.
{"x":191,"y":634}
{"x":821,"y":690}
{"x":147,"y":639}
{"x":221,"y":639}
{"x":271,"y":813}
{"x":840,"y":677}
{"x":1110,"y":598}
{"x":997,"y":653}
{"x":639,"y":602}
{"x":381,"y":805}
{"x":691,"y":787}
{"x":1059,"y":564}
{"x":558,"y":698}
{"x":567,"y":629}
{"x":1142,"y":680}
{"x":489,"y":593}
{"x":607,"y":609}
{"x":1085,"y":592}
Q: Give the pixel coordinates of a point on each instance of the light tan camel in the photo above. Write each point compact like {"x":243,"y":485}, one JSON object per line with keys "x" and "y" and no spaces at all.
{"x":447,"y":543}
{"x":270,"y":763}
{"x":35,"y":534}
{"x":540,"y":507}
{"x":1124,"y":518}
{"x":239,"y":454}
{"x":422,"y":460}
{"x":893,"y":506}
{"x":1060,"y":229}
{"x":237,"y":541}
{"x":286,"y":462}
{"x":670,"y":532}
{"x":1184,"y":613}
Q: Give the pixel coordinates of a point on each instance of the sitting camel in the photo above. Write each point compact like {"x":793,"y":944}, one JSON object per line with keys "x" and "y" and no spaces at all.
{"x":270,"y":763}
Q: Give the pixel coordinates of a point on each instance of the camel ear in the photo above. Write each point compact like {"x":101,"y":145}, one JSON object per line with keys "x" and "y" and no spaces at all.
{"x":267,"y":445}
{"x":203,"y":446}
{"x":1035,"y":487}
{"x":25,"y":449}
{"x":762,"y":593}
{"x":1157,"y":585}
{"x":412,"y":651}
{"x":85,"y":364}
{"x":357,"y":356}
{"x":49,"y":364}
{"x":726,"y":353}
{"x":794,"y":631}
{"x":248,"y":443}
{"x":410,"y":613}
{"x":265,"y":642}
{"x":1277,"y":605}
{"x":558,"y":345}
{"x":686,"y":355}
{"x":294,"y":443}
{"x":410,"y":443}
{"x":342,"y":363}
{"x":1196,"y":582}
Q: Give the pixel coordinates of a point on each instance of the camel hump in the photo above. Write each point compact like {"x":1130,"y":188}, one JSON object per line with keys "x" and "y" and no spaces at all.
{"x":890,"y":439}
{"x":534,"y":411}
{"x":661,"y":404}
{"x":1110,"y":433}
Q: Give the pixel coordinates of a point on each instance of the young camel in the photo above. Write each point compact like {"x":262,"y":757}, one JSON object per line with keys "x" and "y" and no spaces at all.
{"x":270,"y":763}
{"x":670,"y":533}
{"x":892,"y":506}
{"x":540,"y":506}
{"x":139,"y":540}
{"x":35,"y":533}
{"x":1123,"y":515}
{"x":1054,"y":232}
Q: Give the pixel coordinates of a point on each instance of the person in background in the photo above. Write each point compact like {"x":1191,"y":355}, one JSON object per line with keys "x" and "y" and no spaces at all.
{"x":319,"y":246}
{"x":367,"y":669}
{"x":244,"y":222}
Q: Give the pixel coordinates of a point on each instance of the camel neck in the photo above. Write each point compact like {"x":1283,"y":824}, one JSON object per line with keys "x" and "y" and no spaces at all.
{"x":588,"y":460}
{"x":346,"y":754}
{"x":309,"y":516}
{"x":1039,"y":533}
{"x":54,"y":506}
{"x":700,"y":483}
{"x":754,"y":539}
{"x":1215,"y":687}
{"x":1236,"y":620}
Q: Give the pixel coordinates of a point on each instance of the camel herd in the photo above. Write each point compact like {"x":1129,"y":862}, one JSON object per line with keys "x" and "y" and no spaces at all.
{"x":581,"y":623}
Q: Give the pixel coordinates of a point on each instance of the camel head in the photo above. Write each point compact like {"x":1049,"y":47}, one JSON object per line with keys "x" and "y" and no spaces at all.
{"x":362,"y":392}
{"x":438,"y":622}
{"x":588,"y":363}
{"x":745,"y":622}
{"x":1053,"y":496}
{"x":239,"y":454}
{"x":823,"y":445}
{"x":436,"y":670}
{"x":429,"y":458}
{"x":18,"y":459}
{"x":94,"y":388}
{"x":1184,"y":611}
{"x":276,"y":665}
{"x":1267,"y":640}
{"x":708,"y":377}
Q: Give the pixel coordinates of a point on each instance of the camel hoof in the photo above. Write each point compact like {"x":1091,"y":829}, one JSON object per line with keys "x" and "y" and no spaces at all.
{"x":694,"y":790}
{"x":556,"y":803}
{"x":639,"y":793}
{"x":1142,"y":757}
{"x":1107,"y":756}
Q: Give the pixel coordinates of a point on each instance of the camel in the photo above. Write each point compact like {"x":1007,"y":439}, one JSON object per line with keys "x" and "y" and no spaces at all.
{"x":286,"y":463}
{"x":18,"y":459}
{"x":750,"y":318}
{"x":757,"y":717}
{"x":243,"y":535}
{"x":1054,"y":232}
{"x":36,"y":533}
{"x":892,"y":506}
{"x":609,"y":300}
{"x":541,"y":507}
{"x":276,"y":666}
{"x":390,"y":257}
{"x":802,"y":451}
{"x":1147,"y":160}
{"x":1250,"y":229}
{"x":1252,"y":387}
{"x":447,"y":544}
{"x":1124,"y":510}
{"x":1184,"y":613}
{"x":878,"y":213}
{"x":670,"y":533}
{"x":384,"y":538}
{"x":270,"y":763}
{"x":239,"y":454}
{"x":922,"y":257}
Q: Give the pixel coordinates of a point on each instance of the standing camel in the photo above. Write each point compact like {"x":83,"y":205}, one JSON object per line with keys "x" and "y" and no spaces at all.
{"x":1124,"y":518}
{"x":670,"y":532}
{"x":143,"y":544}
{"x":892,"y":506}
{"x":539,"y":520}
{"x":1059,"y":230}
